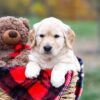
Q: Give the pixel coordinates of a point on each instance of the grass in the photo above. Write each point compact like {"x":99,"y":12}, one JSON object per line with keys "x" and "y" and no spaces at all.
{"x":83,"y":29}
{"x":92,"y":85}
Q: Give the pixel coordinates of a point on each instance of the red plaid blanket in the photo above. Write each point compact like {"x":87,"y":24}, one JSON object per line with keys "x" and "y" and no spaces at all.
{"x":14,"y":83}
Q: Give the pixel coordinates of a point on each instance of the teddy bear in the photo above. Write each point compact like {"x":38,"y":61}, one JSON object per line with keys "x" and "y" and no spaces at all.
{"x":13,"y":39}
{"x":13,"y":49}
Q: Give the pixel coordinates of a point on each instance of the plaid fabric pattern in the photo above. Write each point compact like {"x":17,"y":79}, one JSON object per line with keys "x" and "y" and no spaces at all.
{"x":15,"y":84}
{"x":79,"y":85}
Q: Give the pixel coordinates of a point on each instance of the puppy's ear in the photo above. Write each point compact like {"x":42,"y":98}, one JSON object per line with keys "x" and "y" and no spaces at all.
{"x":69,"y":37}
{"x":32,"y":34}
{"x":32,"y":38}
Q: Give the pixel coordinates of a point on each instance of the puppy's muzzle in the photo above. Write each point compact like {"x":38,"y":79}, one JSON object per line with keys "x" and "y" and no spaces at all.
{"x":47,"y":48}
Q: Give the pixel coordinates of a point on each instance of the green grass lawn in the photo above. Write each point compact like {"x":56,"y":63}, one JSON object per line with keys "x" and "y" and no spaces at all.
{"x":92,"y":85}
{"x":84,"y":28}
{"x":87,"y":29}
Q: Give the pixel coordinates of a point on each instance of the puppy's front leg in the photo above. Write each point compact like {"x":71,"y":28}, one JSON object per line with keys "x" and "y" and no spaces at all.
{"x":58,"y":74}
{"x":32,"y":70}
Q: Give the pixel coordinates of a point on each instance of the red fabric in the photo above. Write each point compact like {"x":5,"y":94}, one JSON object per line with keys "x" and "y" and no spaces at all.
{"x":18,"y":74}
{"x":37,"y":91}
{"x":14,"y":82}
{"x":18,"y":49}
{"x":14,"y":54}
{"x":78,"y":91}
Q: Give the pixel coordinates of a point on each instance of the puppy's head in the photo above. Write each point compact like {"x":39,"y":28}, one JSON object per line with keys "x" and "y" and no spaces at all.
{"x":50,"y":36}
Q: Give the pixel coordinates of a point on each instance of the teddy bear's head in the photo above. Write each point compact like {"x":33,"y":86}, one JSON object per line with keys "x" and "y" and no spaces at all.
{"x":13,"y":31}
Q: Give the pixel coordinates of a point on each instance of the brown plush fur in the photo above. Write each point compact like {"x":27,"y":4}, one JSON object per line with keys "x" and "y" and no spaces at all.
{"x":7,"y":44}
{"x":12,"y":23}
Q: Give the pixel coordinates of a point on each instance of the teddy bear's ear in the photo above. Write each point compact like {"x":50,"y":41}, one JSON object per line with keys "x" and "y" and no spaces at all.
{"x":25,"y":22}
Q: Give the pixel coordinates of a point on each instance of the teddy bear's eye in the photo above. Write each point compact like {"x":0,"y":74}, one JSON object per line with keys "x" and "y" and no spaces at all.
{"x":56,"y":36}
{"x":41,"y":35}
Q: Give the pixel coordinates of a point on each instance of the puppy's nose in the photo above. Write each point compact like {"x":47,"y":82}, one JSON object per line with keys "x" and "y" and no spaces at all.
{"x":47,"y":48}
{"x":13,"y":34}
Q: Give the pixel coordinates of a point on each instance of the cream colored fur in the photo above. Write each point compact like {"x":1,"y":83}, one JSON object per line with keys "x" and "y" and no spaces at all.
{"x":61,"y":58}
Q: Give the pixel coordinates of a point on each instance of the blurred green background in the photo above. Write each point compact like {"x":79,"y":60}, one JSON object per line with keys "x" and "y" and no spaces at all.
{"x":84,"y":18}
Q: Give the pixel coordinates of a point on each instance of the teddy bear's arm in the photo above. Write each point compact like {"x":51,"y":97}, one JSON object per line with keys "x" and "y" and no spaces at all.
{"x":22,"y":58}
{"x":2,"y":63}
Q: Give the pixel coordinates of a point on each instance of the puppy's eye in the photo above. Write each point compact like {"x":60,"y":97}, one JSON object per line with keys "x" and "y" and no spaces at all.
{"x":56,"y":36}
{"x":41,"y":35}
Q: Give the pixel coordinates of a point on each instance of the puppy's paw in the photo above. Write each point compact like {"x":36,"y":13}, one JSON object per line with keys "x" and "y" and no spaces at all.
{"x":57,"y":80}
{"x":32,"y":72}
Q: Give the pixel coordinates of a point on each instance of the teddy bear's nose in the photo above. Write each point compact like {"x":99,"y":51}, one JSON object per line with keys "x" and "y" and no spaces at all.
{"x":13,"y":34}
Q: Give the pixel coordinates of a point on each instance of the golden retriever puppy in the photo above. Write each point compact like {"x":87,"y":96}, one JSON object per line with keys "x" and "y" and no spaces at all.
{"x":51,"y":42}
